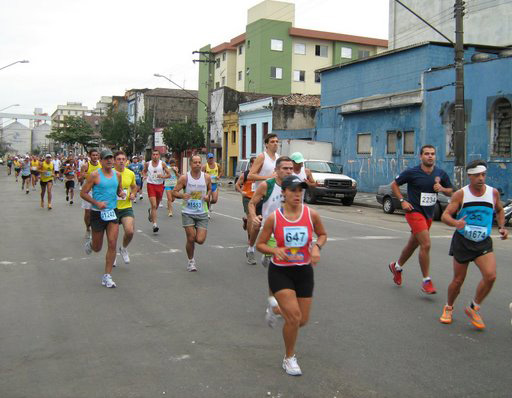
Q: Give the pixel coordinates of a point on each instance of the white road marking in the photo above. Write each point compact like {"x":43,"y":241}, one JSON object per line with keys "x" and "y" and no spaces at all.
{"x":364,"y":225}
{"x":226,"y":215}
{"x":179,"y":358}
{"x":6,"y":263}
{"x":66,"y":258}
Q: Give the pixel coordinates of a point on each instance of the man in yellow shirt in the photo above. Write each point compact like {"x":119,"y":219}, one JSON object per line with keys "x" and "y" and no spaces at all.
{"x":124,"y":208}
{"x":47,"y":172}
{"x":87,"y":168}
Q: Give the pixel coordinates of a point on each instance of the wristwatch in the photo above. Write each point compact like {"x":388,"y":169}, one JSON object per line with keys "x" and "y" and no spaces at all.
{"x":401,"y":200}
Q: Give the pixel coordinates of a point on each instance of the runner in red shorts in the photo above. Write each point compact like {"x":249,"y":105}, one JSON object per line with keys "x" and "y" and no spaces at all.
{"x":424,"y":182}
{"x":155,"y":171}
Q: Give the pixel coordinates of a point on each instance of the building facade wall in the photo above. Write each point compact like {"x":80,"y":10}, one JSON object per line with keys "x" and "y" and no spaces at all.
{"x":254,"y":113}
{"x":18,"y":136}
{"x":309,"y":62}
{"x":240,"y":67}
{"x":231,"y":143}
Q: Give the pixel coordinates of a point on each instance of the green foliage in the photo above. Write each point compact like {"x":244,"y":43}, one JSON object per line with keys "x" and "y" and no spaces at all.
{"x":182,"y":136}
{"x":118,"y":132}
{"x":73,"y":130}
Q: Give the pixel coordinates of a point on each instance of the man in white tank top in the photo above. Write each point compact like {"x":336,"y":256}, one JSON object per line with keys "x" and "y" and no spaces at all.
{"x":155,"y":172}
{"x":300,"y":171}
{"x":197,"y":188}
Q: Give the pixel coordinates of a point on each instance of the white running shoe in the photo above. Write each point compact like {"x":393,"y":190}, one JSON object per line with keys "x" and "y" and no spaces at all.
{"x":265,"y":260}
{"x":88,"y":235}
{"x":250,"y":258}
{"x":161,"y":205}
{"x":87,"y":247}
{"x":291,"y":366}
{"x":191,"y":267}
{"x":124,"y":253}
{"x":271,"y":317}
{"x":107,"y":281}
{"x":115,"y":262}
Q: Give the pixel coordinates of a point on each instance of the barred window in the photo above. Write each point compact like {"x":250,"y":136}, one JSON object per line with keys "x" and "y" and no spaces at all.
{"x":501,"y":128}
{"x":364,"y":144}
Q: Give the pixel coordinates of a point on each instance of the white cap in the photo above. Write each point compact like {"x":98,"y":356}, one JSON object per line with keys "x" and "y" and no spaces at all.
{"x":48,"y":155}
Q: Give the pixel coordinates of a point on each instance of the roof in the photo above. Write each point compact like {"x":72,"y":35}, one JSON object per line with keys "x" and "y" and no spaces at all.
{"x":317,"y":34}
{"x":300,"y":100}
{"x":479,"y":47}
{"x":170,"y":92}
{"x":231,"y":45}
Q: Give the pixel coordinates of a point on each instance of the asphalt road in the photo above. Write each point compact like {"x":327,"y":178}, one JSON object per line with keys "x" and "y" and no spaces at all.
{"x":167,"y":332}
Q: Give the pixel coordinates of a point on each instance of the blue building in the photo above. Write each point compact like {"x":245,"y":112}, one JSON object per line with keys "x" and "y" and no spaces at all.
{"x":255,"y":122}
{"x":379,"y":111}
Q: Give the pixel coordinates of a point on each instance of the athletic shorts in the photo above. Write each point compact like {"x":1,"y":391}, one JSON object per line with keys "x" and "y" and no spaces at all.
{"x":70,"y":184}
{"x":245,"y":204}
{"x":122,"y":213}
{"x":24,"y":177}
{"x":44,"y":183}
{"x":195,"y":220}
{"x":86,"y":205}
{"x":464,"y":250}
{"x":139,"y":183}
{"x":295,"y":277}
{"x":214,"y":187}
{"x":97,"y":224}
{"x":34,"y":173}
{"x":17,"y":169}
{"x":418,"y":222}
{"x":168,"y":188}
{"x":155,"y":191}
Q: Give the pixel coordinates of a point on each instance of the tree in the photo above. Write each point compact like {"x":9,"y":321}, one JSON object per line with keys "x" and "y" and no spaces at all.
{"x":116,"y":130}
{"x":182,"y":136}
{"x":73,"y":130}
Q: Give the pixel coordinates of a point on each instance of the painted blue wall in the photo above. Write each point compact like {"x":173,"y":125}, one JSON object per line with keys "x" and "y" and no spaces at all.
{"x":247,"y":119}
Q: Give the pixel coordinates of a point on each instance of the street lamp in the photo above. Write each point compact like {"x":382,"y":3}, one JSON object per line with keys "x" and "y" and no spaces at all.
{"x":176,"y":84}
{"x":17,"y":62}
{"x":10,"y":106}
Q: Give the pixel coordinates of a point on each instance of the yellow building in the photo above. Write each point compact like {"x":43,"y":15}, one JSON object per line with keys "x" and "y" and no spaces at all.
{"x":230,"y":143}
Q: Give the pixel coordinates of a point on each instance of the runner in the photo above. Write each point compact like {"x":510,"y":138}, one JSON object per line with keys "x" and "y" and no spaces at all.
{"x":290,"y":273}
{"x":170,"y":183}
{"x":105,"y":184}
{"x":69,"y":174}
{"x":87,"y":168}
{"x":47,"y":172}
{"x":197,"y":187}
{"x":262,"y":169}
{"x":17,"y":167}
{"x":423,"y":183}
{"x":137,"y":168}
{"x":300,"y":171}
{"x":25,"y":174}
{"x":214,"y":170}
{"x":62,"y":159}
{"x":124,"y":210}
{"x":80,"y":163}
{"x":34,"y":170}
{"x":474,"y":205}
{"x":155,"y":171}
{"x":246,"y":189}
{"x":56,"y":167}
{"x":9,"y":165}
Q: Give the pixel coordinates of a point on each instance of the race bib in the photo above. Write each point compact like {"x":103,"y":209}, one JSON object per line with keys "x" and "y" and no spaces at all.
{"x":33,"y":168}
{"x":295,"y":236}
{"x":428,"y":199}
{"x":108,"y":215}
{"x":253,"y":187}
{"x":475,"y":233}
{"x":195,"y":204}
{"x":214,"y":179}
{"x":47,"y":173}
{"x":126,"y":192}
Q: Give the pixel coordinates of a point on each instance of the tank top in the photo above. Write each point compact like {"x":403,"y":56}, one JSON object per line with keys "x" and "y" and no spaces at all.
{"x":197,"y":190}
{"x":34,"y":165}
{"x":296,"y":236}
{"x":267,"y":168}
{"x":172,"y":180}
{"x":153,"y":172}
{"x":25,"y":169}
{"x":272,"y":199}
{"x":106,"y":190}
{"x":303,"y":177}
{"x":91,"y":167}
{"x":479,"y":214}
{"x":214,"y":172}
{"x":47,"y":174}
{"x":248,"y":187}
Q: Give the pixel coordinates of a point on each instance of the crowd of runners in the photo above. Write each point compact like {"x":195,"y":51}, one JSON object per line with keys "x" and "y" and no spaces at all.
{"x":278,"y":223}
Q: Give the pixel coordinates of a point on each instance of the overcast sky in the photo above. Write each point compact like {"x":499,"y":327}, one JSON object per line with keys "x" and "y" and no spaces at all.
{"x":81,"y":50}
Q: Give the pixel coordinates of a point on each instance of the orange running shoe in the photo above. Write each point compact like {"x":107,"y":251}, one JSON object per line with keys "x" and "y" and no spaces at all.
{"x":397,"y":275}
{"x":428,"y":287}
{"x":475,"y":317}
{"x":447,"y":314}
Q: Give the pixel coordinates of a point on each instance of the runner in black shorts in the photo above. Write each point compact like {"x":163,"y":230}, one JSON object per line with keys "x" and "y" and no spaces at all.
{"x":474,"y":204}
{"x":290,"y":273}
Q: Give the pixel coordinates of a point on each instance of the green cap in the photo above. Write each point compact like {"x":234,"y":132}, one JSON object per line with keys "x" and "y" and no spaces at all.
{"x":106,"y":153}
{"x":297,"y":157}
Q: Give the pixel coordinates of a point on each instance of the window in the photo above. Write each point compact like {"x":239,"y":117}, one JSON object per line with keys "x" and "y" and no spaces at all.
{"x":299,"y":48}
{"x":240,"y":49}
{"x":223,"y":81}
{"x":318,"y":77}
{"x":346,"y":52}
{"x":217,"y":63}
{"x":364,"y":144}
{"x":501,"y":128}
{"x":276,"y":44}
{"x":240,"y":75}
{"x":276,"y":73}
{"x":299,"y":76}
{"x":217,"y":84}
{"x":247,"y":70}
{"x":391,"y":143}
{"x":233,"y":137}
{"x":253,"y":138}
{"x":409,"y":143}
{"x":265,"y":129}
{"x":364,"y":54}
{"x":448,"y":119}
{"x":248,"y":46}
{"x":244,"y":142}
{"x":224,"y":56}
{"x":321,"y":51}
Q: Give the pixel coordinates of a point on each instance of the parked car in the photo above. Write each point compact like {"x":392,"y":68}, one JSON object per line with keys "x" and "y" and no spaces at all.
{"x":331,"y":183}
{"x":390,"y":203}
{"x":241,"y":166}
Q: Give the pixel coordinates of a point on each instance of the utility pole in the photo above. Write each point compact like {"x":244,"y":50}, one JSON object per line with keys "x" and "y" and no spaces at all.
{"x":209,"y":83}
{"x":460,"y":123}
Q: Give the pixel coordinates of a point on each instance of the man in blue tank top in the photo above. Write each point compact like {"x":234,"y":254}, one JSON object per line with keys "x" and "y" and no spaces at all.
{"x":106,"y":186}
{"x":474,"y":205}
